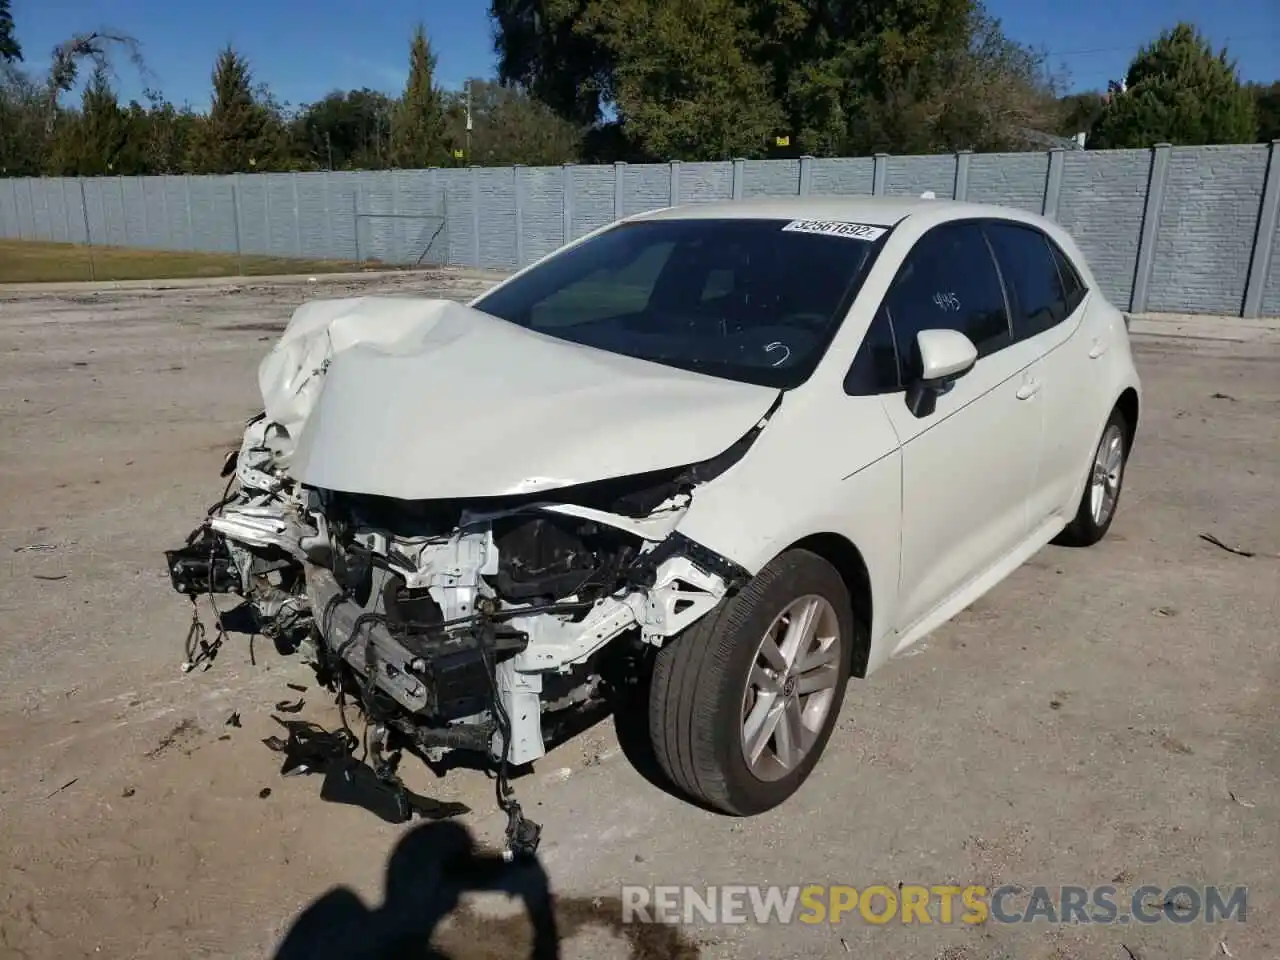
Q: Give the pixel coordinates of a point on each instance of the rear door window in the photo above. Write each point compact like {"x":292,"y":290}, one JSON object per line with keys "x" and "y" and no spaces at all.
{"x":1037,"y":296}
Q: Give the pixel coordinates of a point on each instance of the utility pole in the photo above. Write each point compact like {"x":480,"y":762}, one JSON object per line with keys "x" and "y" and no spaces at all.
{"x":468,"y":121}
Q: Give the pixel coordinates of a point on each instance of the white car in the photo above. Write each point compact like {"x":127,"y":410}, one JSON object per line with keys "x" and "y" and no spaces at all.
{"x":737,"y":451}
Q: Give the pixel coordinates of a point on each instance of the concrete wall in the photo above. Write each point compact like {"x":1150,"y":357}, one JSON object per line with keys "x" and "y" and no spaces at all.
{"x":1170,"y":229}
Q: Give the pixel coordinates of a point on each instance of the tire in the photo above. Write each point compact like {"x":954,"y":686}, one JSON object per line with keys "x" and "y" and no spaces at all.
{"x":699,"y":693}
{"x":1089,"y":526}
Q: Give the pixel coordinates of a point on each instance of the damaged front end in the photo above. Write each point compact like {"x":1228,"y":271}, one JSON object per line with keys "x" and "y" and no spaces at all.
{"x":439,"y":606}
{"x":484,"y":624}
{"x":249,"y":545}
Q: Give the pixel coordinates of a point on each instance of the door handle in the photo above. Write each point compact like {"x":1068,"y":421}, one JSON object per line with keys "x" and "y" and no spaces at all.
{"x":1097,"y":350}
{"x":1030,"y":387}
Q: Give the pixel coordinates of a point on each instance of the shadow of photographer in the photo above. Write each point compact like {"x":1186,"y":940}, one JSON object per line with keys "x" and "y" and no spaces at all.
{"x":428,"y":872}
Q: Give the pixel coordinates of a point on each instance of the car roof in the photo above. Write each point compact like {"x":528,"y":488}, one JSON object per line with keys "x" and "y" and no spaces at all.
{"x":879,"y":211}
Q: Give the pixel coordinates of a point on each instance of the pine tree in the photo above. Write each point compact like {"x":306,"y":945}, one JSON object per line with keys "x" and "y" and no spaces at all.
{"x":235,"y":136}
{"x":10,"y":49}
{"x":418,"y":126}
{"x":91,"y":144}
{"x":1178,"y":91}
{"x":104,"y":129}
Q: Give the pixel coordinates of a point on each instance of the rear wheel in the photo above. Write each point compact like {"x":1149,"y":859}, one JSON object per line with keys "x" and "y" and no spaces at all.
{"x":744,"y":702}
{"x":1102,"y":492}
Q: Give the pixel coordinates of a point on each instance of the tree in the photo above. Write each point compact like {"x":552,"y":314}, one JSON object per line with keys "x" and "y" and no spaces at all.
{"x":1078,"y":112}
{"x":706,"y":78}
{"x":858,"y":76}
{"x":95,"y":47}
{"x":24,"y":144}
{"x":687,"y":80}
{"x":164,"y":135}
{"x":25,"y":148}
{"x":10,"y":49}
{"x":1178,"y":91}
{"x":237,"y":135}
{"x":418,"y":127}
{"x":509,"y":127}
{"x":91,"y":144}
{"x":992,"y":95}
{"x":542,"y":49}
{"x":347,"y":130}
{"x":1266,"y":98}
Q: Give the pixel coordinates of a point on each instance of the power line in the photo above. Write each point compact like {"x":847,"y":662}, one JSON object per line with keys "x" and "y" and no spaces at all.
{"x":1088,"y":51}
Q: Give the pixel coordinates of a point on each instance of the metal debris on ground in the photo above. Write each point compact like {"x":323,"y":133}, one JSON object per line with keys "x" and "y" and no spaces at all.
{"x":233,"y":720}
{"x":264,"y":793}
{"x":61,"y":788}
{"x":310,"y":748}
{"x":299,"y":687}
{"x":284,"y":706}
{"x":32,"y":547}
{"x":49,"y":576}
{"x":1244,"y":803}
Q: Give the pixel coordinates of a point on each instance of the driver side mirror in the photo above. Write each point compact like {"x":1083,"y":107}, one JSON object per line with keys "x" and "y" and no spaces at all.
{"x":945,"y":356}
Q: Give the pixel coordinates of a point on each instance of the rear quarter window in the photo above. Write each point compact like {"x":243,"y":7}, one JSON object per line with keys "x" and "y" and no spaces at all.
{"x":1072,"y":284}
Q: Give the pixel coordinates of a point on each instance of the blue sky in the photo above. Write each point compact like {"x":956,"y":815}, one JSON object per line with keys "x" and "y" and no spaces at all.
{"x":304,"y":48}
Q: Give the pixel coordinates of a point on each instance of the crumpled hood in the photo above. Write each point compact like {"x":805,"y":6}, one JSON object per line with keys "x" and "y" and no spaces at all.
{"x":427,"y":399}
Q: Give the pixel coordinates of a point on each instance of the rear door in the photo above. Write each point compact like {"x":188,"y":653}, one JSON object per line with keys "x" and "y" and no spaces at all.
{"x":968,"y":466}
{"x":1046,"y":299}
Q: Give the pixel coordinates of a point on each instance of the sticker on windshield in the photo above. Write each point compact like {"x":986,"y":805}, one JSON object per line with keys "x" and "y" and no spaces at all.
{"x":837,"y":228}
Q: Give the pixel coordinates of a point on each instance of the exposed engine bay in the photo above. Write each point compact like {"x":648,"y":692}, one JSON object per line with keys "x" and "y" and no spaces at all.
{"x":480,"y":624}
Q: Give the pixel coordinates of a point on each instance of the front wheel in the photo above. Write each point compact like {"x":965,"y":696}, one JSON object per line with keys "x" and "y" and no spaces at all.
{"x":744,"y":702}
{"x":1102,"y":493}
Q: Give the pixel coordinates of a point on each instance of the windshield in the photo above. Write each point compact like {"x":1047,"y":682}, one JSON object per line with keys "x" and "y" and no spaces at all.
{"x":750,"y":300}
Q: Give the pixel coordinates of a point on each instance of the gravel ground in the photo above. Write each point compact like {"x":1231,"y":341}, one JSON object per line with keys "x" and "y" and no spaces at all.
{"x":1105,"y":716}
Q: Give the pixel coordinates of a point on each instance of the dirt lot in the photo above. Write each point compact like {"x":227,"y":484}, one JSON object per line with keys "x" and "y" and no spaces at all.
{"x":1104,"y":717}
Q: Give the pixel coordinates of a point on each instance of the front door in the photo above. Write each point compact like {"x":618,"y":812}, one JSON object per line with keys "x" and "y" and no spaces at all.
{"x":968,"y":466}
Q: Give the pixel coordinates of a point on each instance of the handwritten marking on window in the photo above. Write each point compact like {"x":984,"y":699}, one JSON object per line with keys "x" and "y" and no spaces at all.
{"x":947,"y":301}
{"x":775,"y":347}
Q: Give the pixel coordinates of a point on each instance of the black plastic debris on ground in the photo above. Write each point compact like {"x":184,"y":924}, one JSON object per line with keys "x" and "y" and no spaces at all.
{"x":284,"y":706}
{"x":310,"y":748}
{"x":1238,"y":551}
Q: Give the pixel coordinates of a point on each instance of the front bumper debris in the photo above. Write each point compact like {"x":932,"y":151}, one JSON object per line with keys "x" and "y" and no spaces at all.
{"x":486,"y":628}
